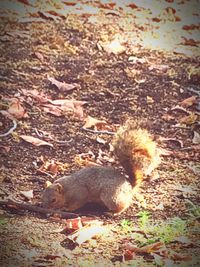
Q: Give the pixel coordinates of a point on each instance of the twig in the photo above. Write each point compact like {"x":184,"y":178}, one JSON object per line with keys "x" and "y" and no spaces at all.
{"x":51,"y":138}
{"x":98,"y":132}
{"x":11,"y":129}
{"x":30,"y":207}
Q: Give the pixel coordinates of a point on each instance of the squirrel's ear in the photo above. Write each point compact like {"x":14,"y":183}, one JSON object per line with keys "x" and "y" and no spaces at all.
{"x":59,"y":187}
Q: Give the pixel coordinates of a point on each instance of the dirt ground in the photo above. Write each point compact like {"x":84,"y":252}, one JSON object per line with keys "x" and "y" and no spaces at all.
{"x":114,"y":88}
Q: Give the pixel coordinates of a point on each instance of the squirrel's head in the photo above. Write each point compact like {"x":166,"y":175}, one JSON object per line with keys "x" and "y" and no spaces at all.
{"x":53,"y":196}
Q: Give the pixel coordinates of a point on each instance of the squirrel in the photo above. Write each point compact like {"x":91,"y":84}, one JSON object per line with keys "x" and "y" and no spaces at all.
{"x":137,"y":153}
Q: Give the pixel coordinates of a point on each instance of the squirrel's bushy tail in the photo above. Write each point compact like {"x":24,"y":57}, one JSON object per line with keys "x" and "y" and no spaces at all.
{"x":136,"y":151}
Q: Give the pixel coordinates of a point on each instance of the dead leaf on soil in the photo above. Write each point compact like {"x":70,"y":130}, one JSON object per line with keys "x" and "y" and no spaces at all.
{"x":54,"y":110}
{"x":114,"y":47}
{"x":150,"y":100}
{"x":101,"y":140}
{"x":196,"y":138}
{"x":190,"y":119}
{"x":103,"y":157}
{"x":179,"y":142}
{"x":134,"y":60}
{"x":38,"y":96}
{"x":167,"y":117}
{"x":80,"y":222}
{"x":96,"y":124}
{"x":62,"y":86}
{"x":27,"y":194}
{"x":188,"y":102}
{"x":35,"y":141}
{"x":53,"y":167}
{"x":17,"y":110}
{"x":128,"y":255}
{"x":86,"y":233}
{"x":39,"y":56}
{"x":180,"y":257}
{"x":85,"y":159}
{"x":5,"y":148}
{"x":155,"y":247}
{"x":70,"y":105}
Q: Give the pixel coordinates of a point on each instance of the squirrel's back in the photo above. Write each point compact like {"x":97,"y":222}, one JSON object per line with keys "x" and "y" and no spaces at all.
{"x":103,"y":185}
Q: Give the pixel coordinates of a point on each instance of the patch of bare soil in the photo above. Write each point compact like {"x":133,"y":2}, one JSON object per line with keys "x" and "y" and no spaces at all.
{"x":115,"y":87}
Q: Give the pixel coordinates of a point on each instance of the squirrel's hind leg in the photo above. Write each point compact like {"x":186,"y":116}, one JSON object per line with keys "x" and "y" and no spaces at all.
{"x":116,"y":204}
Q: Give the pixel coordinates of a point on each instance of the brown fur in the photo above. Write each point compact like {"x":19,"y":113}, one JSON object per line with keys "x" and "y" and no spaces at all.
{"x":137,"y":153}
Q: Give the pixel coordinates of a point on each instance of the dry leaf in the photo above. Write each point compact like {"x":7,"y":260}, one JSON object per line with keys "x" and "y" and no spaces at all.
{"x":54,"y":110}
{"x":52,"y":167}
{"x":39,"y":56}
{"x":86,"y":233}
{"x":168,"y":117}
{"x":150,"y":100}
{"x":74,"y":224}
{"x":96,"y":124}
{"x":35,"y":141}
{"x":38,"y":96}
{"x":85,"y":159}
{"x":128,"y":255}
{"x":188,"y":102}
{"x":196,"y":138}
{"x":47,"y":184}
{"x":70,"y":105}
{"x":179,"y":257}
{"x":62,"y":86}
{"x":114,"y":47}
{"x":27,"y":194}
{"x":135,"y":60}
{"x":155,"y":247}
{"x":190,"y":119}
{"x":17,"y":110}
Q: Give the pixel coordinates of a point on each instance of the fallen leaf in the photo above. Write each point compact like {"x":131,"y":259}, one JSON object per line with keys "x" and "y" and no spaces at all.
{"x":145,"y":249}
{"x":74,"y":224}
{"x":47,"y":184}
{"x":70,"y":105}
{"x":27,"y":194}
{"x":54,"y":110}
{"x":86,"y":233}
{"x":179,"y":142}
{"x":168,"y":117}
{"x":190,"y":119}
{"x":39,"y":56}
{"x":150,"y":100}
{"x":17,"y":110}
{"x":180,"y":257}
{"x":85,"y":159}
{"x":38,"y":96}
{"x":196,"y":138}
{"x":134,"y":60}
{"x":101,"y":141}
{"x":62,"y":86}
{"x":53,"y":167}
{"x":35,"y":141}
{"x":96,"y":124}
{"x":114,"y":47}
{"x":188,"y":102}
{"x":128,"y":255}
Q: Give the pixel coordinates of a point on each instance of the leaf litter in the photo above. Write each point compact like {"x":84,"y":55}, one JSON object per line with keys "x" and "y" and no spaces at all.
{"x":71,"y":53}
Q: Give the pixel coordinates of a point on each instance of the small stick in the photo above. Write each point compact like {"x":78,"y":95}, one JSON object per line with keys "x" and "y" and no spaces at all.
{"x":30,"y":207}
{"x":98,"y":132}
{"x":11,"y":129}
